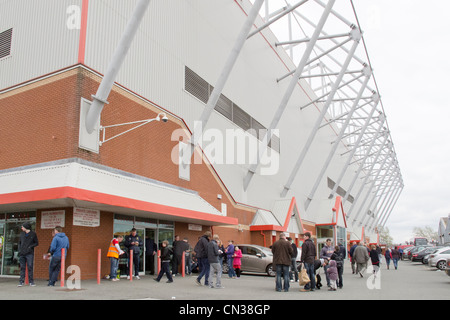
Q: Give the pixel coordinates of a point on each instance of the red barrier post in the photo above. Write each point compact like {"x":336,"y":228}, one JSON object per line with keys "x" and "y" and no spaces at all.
{"x":131,"y":265}
{"x":99,"y":264}
{"x":159,"y":261}
{"x":63,"y":265}
{"x":26,"y":274}
{"x":183,"y":264}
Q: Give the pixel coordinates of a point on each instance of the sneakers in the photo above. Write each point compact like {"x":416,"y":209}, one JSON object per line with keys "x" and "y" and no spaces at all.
{"x":20,"y":284}
{"x":197,"y":282}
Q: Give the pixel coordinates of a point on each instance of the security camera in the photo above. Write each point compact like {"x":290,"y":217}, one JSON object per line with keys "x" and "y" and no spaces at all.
{"x":164,"y":118}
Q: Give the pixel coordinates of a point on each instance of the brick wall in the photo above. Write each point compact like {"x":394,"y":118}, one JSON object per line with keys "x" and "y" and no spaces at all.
{"x":84,"y":244}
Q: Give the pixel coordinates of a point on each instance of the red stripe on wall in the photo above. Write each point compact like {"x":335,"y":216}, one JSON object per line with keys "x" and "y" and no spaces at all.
{"x":83,"y":31}
{"x":112,"y":200}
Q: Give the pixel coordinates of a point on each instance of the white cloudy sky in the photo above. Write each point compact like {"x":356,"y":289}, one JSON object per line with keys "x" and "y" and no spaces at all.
{"x":408,"y":42}
{"x":409,"y":48}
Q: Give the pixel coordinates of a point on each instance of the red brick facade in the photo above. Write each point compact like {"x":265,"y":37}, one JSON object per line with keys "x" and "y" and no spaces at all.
{"x":41,"y":124}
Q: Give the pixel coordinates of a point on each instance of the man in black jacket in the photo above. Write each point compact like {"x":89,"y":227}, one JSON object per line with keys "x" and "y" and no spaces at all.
{"x":308,"y":257}
{"x":27,"y":242}
{"x":135,"y":243}
{"x":294,"y":272}
{"x":201,"y":253}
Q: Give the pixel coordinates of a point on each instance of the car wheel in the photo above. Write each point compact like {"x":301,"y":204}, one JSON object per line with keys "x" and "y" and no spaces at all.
{"x":225,"y":268}
{"x":269,"y":270}
{"x":441,"y":265}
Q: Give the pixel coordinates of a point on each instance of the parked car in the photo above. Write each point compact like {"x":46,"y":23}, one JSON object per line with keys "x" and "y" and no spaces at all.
{"x":426,"y":257}
{"x":415,"y":250}
{"x":256,"y":259}
{"x":418,"y":256}
{"x":447,"y":270}
{"x":405,"y":253}
{"x":439,"y":258}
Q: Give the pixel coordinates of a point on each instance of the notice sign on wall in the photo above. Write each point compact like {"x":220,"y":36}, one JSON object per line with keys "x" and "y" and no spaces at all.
{"x":52,"y":219}
{"x":86,"y":217}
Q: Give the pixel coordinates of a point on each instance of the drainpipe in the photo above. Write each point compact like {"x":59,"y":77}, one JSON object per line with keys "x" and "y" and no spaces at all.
{"x":264,"y":236}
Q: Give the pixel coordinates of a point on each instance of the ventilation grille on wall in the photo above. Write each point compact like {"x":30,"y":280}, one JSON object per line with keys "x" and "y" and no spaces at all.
{"x":5,"y":43}
{"x":340,"y":191}
{"x":201,"y":89}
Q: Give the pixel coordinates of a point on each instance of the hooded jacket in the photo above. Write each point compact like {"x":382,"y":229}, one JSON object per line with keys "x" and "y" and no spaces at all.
{"x":27,"y":242}
{"x":332,"y":270}
{"x":59,"y":241}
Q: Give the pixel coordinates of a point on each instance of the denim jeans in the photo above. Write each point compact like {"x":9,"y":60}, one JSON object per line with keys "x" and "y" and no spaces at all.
{"x":204,"y":267}
{"x":294,"y":271}
{"x":54,"y":269}
{"x":231,"y":272}
{"x":282,"y":269}
{"x":395,"y":261}
{"x":114,"y":267}
{"x":310,"y":271}
{"x":165,"y":269}
{"x":26,"y":262}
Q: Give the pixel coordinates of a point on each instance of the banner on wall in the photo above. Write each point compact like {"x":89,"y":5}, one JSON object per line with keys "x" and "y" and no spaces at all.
{"x":52,"y":219}
{"x":86,"y":217}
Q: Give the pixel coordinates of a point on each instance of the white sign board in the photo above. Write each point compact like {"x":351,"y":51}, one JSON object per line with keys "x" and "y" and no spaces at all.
{"x":52,"y":219}
{"x":86,"y":217}
{"x":194,"y":227}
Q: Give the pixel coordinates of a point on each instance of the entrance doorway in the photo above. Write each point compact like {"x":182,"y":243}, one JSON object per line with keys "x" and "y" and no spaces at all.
{"x":10,"y":230}
{"x":152,"y":231}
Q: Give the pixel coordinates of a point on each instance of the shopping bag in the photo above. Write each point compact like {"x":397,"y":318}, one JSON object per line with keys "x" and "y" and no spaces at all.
{"x":303,"y":278}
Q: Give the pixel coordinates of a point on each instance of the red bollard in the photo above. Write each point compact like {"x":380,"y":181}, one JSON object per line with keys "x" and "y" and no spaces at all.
{"x":131,"y":265}
{"x":159,"y":261}
{"x":26,"y":274}
{"x":183,"y":264}
{"x":63,"y":265}
{"x":99,"y":265}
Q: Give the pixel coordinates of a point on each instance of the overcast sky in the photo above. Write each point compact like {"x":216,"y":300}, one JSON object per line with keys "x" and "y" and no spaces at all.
{"x":408,"y":42}
{"x":409,"y":49}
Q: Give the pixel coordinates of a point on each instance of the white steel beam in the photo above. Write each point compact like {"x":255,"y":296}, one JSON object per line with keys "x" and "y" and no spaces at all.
{"x":356,"y":36}
{"x":288,"y":93}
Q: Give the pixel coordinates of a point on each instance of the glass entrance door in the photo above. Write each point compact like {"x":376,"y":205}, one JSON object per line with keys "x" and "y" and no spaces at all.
{"x":10,"y":265}
{"x":151,"y":249}
{"x":2,"y":242}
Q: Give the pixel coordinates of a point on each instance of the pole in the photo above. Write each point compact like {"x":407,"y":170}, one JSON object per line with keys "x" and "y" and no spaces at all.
{"x":183,"y":264}
{"x":130,"y":264}
{"x":100,"y":98}
{"x":99,"y":264}
{"x":159,"y":261}
{"x":63,"y":265}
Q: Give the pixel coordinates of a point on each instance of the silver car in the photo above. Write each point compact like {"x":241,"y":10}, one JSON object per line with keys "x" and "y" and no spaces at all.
{"x":255,"y":259}
{"x":439,"y":258}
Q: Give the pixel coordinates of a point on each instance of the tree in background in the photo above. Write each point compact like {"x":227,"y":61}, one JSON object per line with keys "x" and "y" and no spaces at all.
{"x":425,"y":232}
{"x":385,"y":237}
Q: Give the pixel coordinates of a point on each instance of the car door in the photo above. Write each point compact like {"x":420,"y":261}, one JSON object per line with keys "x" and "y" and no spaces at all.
{"x":254,"y":261}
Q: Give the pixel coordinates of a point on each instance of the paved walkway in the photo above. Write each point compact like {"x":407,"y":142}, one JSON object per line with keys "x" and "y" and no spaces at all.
{"x":410,"y":281}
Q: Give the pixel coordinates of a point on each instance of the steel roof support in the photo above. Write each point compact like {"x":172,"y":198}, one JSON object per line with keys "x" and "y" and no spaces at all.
{"x":387,"y":176}
{"x":367,"y":175}
{"x":356,"y":36}
{"x":386,"y":208}
{"x":104,"y":89}
{"x":396,"y":181}
{"x":221,"y":81}
{"x":350,"y":156}
{"x":288,"y":93}
{"x":392,"y":207}
{"x":382,"y":165}
{"x":368,"y":74}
